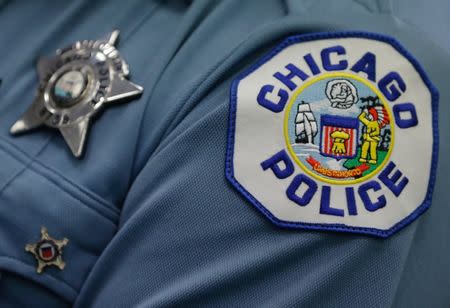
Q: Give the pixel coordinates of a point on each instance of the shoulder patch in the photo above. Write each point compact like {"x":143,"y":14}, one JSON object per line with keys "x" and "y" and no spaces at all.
{"x":335,"y":131}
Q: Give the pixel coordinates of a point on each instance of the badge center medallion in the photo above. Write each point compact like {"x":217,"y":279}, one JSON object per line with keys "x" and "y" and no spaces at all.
{"x":338,"y":128}
{"x":69,"y":87}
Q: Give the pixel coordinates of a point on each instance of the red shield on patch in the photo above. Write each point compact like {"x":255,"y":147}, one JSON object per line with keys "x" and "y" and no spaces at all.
{"x":338,"y":136}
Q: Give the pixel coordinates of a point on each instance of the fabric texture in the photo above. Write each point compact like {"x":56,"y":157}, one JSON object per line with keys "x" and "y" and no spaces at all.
{"x":151,"y":219}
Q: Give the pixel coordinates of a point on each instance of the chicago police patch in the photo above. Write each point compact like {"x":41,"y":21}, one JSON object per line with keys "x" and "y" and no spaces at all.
{"x":335,"y":131}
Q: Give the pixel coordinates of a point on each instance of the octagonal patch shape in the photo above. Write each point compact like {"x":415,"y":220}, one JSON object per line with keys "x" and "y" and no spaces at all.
{"x":336,"y":132}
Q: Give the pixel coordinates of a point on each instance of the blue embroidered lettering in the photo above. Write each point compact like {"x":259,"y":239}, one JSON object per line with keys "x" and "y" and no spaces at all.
{"x":325,"y":207}
{"x":311,"y":64}
{"x":368,"y":203}
{"x":351,"y":204}
{"x":405,"y":108}
{"x":274,"y":164}
{"x":391,"y":85}
{"x":294,"y":71}
{"x":366,"y":65}
{"x":394,"y":183}
{"x":275,"y":107}
{"x":326,"y":58}
{"x":307,"y":195}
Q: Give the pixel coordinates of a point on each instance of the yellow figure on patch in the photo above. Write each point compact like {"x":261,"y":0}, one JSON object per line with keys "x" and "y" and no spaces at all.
{"x":339,"y":138}
{"x":371,"y":137}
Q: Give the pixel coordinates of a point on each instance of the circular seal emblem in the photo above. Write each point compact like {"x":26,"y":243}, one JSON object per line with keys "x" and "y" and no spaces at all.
{"x":335,"y":131}
{"x":69,"y":87}
{"x":335,"y":135}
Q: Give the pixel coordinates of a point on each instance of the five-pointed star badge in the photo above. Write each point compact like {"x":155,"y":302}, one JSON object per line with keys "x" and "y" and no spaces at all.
{"x":74,"y":86}
{"x":48,"y":251}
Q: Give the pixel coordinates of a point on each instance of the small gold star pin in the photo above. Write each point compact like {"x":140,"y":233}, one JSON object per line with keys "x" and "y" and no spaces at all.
{"x":48,"y":251}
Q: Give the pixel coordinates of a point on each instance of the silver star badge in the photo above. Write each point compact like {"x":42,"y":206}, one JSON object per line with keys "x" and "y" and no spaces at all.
{"x":74,"y":86}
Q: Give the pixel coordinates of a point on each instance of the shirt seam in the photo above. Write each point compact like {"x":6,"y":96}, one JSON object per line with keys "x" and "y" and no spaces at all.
{"x":82,"y":194}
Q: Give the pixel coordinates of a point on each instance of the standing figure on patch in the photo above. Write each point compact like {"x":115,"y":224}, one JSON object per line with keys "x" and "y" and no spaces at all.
{"x":374,"y":119}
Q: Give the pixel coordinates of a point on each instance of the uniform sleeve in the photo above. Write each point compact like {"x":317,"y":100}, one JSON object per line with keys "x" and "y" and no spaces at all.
{"x":188,"y":238}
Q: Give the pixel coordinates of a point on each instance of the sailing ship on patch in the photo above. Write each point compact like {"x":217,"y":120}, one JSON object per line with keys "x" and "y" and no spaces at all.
{"x":305,"y":124}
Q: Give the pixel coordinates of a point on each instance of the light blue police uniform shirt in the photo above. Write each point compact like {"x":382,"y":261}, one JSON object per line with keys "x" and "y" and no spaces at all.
{"x":151,"y":219}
